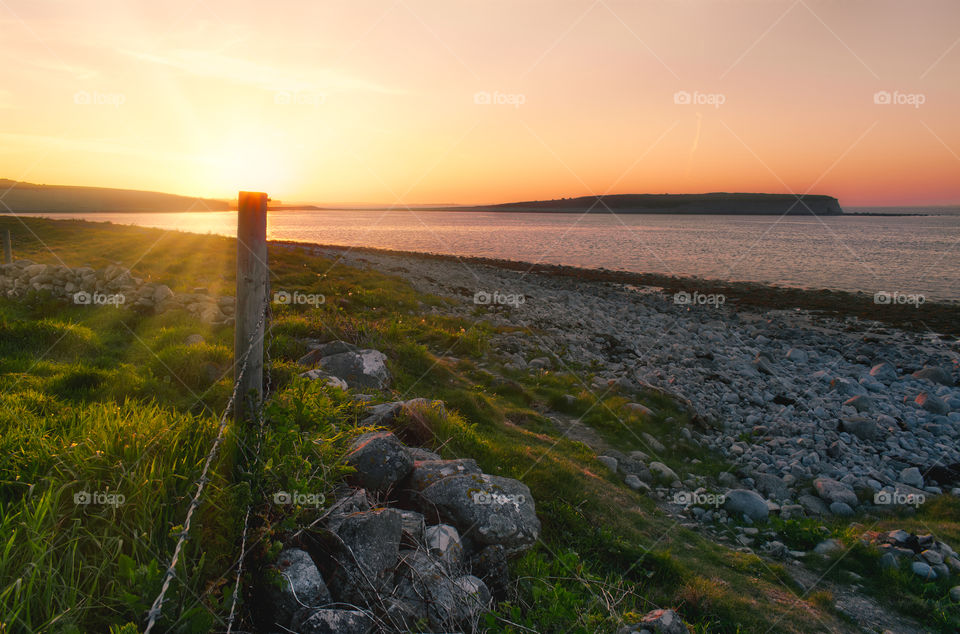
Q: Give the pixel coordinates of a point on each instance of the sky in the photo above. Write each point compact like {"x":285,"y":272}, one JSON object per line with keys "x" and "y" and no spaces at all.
{"x":482,"y":101}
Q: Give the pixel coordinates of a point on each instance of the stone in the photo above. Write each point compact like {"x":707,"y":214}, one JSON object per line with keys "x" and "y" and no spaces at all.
{"x":380,"y":460}
{"x":162,"y":293}
{"x":298,"y":585}
{"x":638,"y":409}
{"x":923,"y":570}
{"x":884,"y":372}
{"x":860,"y":402}
{"x":813,"y":505}
{"x":955,"y":594}
{"x":652,"y":442}
{"x":371,"y":546}
{"x":772,"y":486}
{"x":827,"y":546}
{"x":328,"y":379}
{"x":360,"y":369}
{"x":490,"y":566}
{"x":426,"y":472}
{"x":859,"y":426}
{"x":841,"y":509}
{"x":636,"y":483}
{"x":609,"y":462}
{"x":332,"y":621}
{"x":834,"y":491}
{"x":911,"y":476}
{"x":662,"y":472}
{"x":661,"y":622}
{"x":889,"y":561}
{"x":431,"y":594}
{"x":443,"y":543}
{"x":322,"y":350}
{"x":935,"y":374}
{"x":797,"y":356}
{"x":746,"y":502}
{"x":194,"y":340}
{"x":485,"y":509}
{"x":932,"y":403}
{"x":420,"y":454}
{"x":412,"y":527}
{"x":932,"y":557}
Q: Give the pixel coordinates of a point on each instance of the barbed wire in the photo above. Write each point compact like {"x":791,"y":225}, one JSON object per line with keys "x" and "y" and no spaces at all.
{"x":157,"y":607}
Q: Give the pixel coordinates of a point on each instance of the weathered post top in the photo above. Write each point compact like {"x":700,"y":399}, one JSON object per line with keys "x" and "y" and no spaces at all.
{"x":252,"y":292}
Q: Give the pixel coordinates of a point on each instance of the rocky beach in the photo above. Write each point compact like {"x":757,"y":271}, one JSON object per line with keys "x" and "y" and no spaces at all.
{"x":825,"y":412}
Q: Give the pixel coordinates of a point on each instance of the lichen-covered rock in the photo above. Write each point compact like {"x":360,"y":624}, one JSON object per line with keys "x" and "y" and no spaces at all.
{"x":360,"y":369}
{"x":426,"y":590}
{"x":659,"y":622}
{"x":426,"y":472}
{"x":371,"y":544}
{"x":485,"y":509}
{"x":490,"y":565}
{"x":295,"y":583}
{"x":324,"y":377}
{"x":322,"y":350}
{"x":443,"y":543}
{"x":380,"y":460}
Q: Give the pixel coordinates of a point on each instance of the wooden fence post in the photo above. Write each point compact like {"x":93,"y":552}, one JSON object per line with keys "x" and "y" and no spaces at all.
{"x":252,"y":288}
{"x":7,"y":247}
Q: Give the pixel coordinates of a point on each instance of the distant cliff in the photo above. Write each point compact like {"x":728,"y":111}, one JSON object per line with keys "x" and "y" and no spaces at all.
{"x":27,"y":197}
{"x":717,"y":203}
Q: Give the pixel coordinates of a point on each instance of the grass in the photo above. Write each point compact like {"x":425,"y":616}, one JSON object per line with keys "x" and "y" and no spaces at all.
{"x":104,"y":400}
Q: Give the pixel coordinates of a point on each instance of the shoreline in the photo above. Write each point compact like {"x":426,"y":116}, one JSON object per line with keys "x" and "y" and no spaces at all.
{"x":939,"y":317}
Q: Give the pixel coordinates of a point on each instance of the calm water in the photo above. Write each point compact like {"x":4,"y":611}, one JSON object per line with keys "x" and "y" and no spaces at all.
{"x":873,"y":253}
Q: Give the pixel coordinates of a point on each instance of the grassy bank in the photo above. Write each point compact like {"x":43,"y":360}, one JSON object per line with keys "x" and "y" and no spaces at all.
{"x":107,"y":401}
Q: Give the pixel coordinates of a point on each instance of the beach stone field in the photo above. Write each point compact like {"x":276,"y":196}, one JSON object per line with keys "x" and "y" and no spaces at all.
{"x":867,"y":413}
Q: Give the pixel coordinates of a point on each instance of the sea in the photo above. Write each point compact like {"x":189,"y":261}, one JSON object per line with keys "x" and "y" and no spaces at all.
{"x":912,"y":254}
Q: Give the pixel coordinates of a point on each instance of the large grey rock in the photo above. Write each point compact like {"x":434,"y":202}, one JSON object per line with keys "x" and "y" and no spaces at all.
{"x":428,"y":592}
{"x":490,"y":565}
{"x":772,"y":486}
{"x":485,"y":509}
{"x":324,"y":377}
{"x":322,"y":350}
{"x":370,"y":547}
{"x":841,"y":509}
{"x":923,"y":570}
{"x":746,"y":502}
{"x":380,"y":460}
{"x":609,"y":462}
{"x":360,"y":369}
{"x":813,"y":505}
{"x":861,"y":403}
{"x":833,"y":491}
{"x":424,"y":473}
{"x":294,"y":582}
{"x":662,"y":473}
{"x":332,"y":621}
{"x":935,"y":374}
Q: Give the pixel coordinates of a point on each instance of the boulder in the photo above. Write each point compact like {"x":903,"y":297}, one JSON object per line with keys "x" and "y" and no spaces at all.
{"x":322,"y":350}
{"x":426,"y":472}
{"x":638,"y":409}
{"x":360,"y":369}
{"x":380,"y":460}
{"x":609,"y":462}
{"x":813,"y":505}
{"x":296,"y":584}
{"x":861,"y":403}
{"x":746,"y":502}
{"x":490,"y":566}
{"x":370,"y":546}
{"x":833,"y":491}
{"x":485,"y":509}
{"x":427,"y":592}
{"x":662,"y":472}
{"x":841,"y":509}
{"x":923,"y":570}
{"x":797,"y":356}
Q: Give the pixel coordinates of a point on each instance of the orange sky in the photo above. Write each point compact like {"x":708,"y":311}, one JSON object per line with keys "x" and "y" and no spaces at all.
{"x":385,"y":101}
